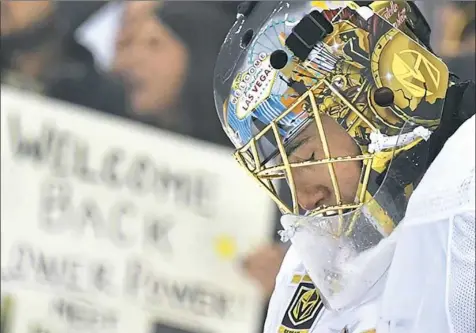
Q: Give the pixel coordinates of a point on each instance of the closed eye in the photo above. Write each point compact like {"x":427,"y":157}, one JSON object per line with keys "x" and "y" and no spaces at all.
{"x":293,"y":146}
{"x":296,"y":159}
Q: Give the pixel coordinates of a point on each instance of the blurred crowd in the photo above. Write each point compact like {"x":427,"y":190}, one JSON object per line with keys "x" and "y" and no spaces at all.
{"x":152,"y":62}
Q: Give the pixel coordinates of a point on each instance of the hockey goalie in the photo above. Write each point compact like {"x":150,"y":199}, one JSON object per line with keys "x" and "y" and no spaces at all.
{"x":345,"y":106}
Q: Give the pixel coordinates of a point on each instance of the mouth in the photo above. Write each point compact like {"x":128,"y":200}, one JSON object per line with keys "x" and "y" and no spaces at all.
{"x":323,"y":214}
{"x":329,"y":213}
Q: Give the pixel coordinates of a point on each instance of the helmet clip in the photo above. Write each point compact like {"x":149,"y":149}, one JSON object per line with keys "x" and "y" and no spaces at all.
{"x":307,"y":33}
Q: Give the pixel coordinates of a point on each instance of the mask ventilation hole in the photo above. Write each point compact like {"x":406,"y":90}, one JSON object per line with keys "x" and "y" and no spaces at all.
{"x":246,"y":38}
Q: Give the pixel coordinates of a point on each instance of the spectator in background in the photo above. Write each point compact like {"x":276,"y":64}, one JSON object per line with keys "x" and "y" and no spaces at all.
{"x":39,"y":54}
{"x":166,"y":54}
{"x":457,"y":25}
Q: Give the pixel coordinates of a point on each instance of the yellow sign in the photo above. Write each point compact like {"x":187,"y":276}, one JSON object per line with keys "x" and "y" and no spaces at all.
{"x":6,"y":314}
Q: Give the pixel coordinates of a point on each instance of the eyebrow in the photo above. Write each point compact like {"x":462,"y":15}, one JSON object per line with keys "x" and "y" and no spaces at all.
{"x":293,"y":146}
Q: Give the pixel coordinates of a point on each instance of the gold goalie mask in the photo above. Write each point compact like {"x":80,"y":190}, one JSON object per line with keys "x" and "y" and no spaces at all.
{"x":330,"y":105}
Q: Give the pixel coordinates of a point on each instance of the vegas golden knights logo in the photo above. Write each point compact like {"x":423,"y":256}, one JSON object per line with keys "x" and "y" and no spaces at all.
{"x":305,"y":305}
{"x":421,"y":78}
{"x":303,"y":309}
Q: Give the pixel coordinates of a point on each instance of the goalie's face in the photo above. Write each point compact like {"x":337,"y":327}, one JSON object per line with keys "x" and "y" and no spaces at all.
{"x":311,"y":124}
{"x":313,"y":183}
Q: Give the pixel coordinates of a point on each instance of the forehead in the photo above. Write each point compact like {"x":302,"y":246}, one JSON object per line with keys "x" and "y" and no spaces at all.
{"x":310,"y":131}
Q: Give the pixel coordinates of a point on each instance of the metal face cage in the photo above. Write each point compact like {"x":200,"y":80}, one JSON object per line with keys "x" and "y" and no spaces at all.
{"x":339,"y":80}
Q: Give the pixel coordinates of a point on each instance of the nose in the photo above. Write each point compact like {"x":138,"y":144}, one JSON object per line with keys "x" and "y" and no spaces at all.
{"x":312,"y":198}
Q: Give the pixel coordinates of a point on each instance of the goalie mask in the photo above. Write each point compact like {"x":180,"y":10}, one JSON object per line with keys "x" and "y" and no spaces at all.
{"x":333,"y":102}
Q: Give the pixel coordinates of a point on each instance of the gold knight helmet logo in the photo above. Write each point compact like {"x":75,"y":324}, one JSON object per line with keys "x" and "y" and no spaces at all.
{"x":411,"y":71}
{"x":305,"y":305}
{"x":411,"y":76}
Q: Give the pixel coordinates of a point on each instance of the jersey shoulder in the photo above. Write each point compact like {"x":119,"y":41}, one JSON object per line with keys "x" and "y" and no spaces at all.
{"x":433,"y":266}
{"x":448,"y":185}
{"x":295,"y":305}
